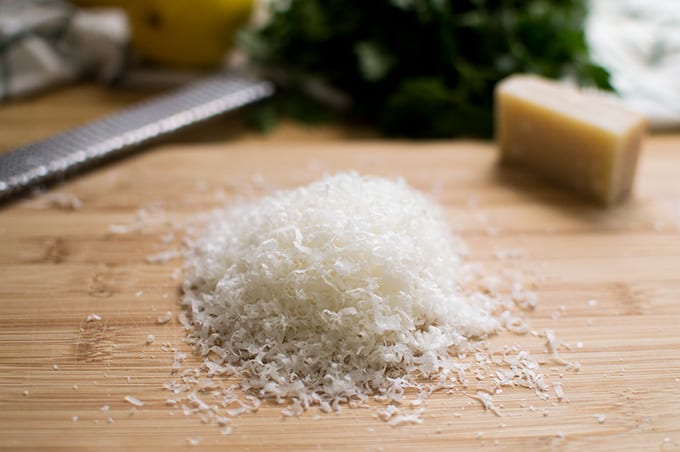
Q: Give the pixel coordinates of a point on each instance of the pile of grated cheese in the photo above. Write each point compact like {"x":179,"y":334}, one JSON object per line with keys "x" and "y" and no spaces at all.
{"x":446,"y":304}
{"x":348,"y":288}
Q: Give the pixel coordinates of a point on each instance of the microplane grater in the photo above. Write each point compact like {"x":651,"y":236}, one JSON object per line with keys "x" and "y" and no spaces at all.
{"x":51,"y":158}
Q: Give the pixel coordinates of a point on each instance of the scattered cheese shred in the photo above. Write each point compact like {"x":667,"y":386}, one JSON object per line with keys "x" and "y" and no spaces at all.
{"x":487,"y":402}
{"x":164,"y":318}
{"x":93,"y":317}
{"x":64,"y":201}
{"x":178,"y":357}
{"x":403,"y":419}
{"x":194,"y":441}
{"x":552,"y":344}
{"x":133,"y":401}
{"x":559,"y":392}
{"x":163,"y":257}
{"x":388,"y":412}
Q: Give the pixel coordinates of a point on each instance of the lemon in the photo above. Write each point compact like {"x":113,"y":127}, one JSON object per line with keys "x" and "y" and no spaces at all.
{"x":183,"y":32}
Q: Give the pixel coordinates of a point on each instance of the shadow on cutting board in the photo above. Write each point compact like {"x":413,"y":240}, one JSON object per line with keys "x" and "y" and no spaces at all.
{"x":631,"y":212}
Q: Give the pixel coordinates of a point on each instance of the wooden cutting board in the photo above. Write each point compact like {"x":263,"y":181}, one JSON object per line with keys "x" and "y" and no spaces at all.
{"x":63,"y":379}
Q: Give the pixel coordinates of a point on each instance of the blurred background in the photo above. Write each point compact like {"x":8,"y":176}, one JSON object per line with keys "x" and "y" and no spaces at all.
{"x":413,"y":68}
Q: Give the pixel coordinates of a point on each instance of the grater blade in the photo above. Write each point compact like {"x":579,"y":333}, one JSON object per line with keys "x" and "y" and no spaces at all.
{"x":48,"y":159}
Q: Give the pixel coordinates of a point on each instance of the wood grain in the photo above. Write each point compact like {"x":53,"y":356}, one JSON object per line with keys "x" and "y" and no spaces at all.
{"x":58,"y":266}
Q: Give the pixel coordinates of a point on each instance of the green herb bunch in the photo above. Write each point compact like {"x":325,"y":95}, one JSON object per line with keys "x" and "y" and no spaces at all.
{"x":418,"y":68}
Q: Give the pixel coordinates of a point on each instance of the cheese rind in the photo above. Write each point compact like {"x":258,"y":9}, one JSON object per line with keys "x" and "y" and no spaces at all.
{"x":579,"y":140}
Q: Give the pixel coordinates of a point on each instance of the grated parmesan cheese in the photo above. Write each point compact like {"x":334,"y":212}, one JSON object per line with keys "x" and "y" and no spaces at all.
{"x":559,"y":392}
{"x":133,"y":401}
{"x":346,"y":288}
{"x":388,"y":412}
{"x":178,"y":357}
{"x":487,"y":402}
{"x":64,"y":201}
{"x":163,"y":257}
{"x":194,"y":441}
{"x":403,"y":419}
{"x":93,"y":317}
{"x":164,"y":318}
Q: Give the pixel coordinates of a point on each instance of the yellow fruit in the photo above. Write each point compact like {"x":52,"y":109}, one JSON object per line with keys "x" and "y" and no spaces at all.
{"x":186,"y":33}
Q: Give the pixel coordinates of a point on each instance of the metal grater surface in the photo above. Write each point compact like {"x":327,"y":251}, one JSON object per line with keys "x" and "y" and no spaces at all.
{"x":45,"y":160}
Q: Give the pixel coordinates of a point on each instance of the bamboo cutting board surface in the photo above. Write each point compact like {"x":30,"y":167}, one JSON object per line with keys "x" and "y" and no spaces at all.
{"x":57,"y":266}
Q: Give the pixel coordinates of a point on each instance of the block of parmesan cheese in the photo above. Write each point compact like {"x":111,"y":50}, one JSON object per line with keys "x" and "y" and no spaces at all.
{"x":579,"y":140}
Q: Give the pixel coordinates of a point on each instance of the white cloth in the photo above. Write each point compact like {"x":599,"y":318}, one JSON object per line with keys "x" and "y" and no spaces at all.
{"x":638,"y":41}
{"x":45,"y":43}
